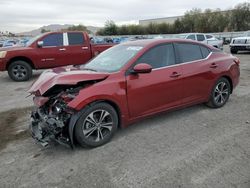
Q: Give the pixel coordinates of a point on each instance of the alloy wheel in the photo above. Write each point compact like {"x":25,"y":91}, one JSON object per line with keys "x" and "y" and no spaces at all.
{"x":97,"y":125}
{"x":221,"y":93}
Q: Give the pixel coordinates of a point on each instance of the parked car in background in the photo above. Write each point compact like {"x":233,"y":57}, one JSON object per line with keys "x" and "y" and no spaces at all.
{"x":124,"y":39}
{"x":23,"y":41}
{"x":48,"y":50}
{"x":1,"y":43}
{"x":127,"y":83}
{"x":10,"y":43}
{"x":240,"y":43}
{"x":204,"y":38}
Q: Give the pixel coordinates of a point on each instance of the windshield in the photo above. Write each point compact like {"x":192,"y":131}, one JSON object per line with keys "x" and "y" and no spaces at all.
{"x":112,"y":59}
{"x":33,"y":40}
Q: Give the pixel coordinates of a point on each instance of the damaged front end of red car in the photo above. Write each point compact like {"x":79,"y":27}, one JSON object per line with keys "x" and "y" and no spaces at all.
{"x":52,"y":119}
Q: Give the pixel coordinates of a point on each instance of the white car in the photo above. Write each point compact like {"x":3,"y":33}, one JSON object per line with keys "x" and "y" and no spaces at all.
{"x":240,"y":43}
{"x":202,"y":37}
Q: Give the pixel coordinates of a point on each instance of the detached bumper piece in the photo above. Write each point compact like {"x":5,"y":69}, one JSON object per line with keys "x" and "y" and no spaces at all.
{"x":46,"y":128}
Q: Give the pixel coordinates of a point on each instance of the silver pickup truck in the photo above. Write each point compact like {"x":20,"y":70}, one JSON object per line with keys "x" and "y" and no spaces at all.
{"x":240,"y":43}
{"x":202,"y":37}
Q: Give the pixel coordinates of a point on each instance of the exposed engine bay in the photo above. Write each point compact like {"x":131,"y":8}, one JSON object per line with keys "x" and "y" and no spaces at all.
{"x":51,"y":118}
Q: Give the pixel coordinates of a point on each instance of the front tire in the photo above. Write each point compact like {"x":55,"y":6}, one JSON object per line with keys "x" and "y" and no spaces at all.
{"x":20,"y":71}
{"x":97,"y":125}
{"x":220,"y":93}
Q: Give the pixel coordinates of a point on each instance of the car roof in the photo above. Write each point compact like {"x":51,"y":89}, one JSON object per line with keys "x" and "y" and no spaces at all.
{"x":153,"y":42}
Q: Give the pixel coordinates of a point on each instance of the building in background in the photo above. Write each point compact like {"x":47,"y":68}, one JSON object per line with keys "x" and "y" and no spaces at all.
{"x":169,"y":20}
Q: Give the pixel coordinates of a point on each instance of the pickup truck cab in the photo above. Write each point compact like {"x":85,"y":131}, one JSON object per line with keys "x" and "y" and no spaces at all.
{"x":203,"y":38}
{"x":48,"y":50}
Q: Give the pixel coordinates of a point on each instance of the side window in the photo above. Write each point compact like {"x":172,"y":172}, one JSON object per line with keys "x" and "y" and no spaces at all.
{"x":188,"y":52}
{"x":205,"y":51}
{"x":75,"y":38}
{"x":55,"y":39}
{"x":159,"y":56}
{"x":192,"y":37}
{"x":200,"y":37}
{"x":209,"y":36}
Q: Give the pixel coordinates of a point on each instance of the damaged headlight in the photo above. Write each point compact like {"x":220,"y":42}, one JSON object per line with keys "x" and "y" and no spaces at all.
{"x":57,"y":109}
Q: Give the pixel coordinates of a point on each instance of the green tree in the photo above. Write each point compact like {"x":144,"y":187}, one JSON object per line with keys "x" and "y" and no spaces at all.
{"x":79,"y":27}
{"x":240,"y":17}
{"x":110,"y":28}
{"x":44,"y":30}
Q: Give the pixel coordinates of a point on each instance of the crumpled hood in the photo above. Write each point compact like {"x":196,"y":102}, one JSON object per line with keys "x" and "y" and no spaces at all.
{"x":64,"y":76}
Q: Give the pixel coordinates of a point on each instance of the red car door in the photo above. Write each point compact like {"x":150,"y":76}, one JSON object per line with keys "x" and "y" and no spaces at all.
{"x":78,"y":49}
{"x":52,"y":52}
{"x":197,"y":71}
{"x":158,"y":90}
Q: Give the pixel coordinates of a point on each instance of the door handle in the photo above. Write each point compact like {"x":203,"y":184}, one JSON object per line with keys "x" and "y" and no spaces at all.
{"x":175,"y":75}
{"x":213,"y":65}
{"x":85,"y":48}
{"x":62,"y":49}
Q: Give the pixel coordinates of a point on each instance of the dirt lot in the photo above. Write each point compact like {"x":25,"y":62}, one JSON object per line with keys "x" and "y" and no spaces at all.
{"x":196,"y":147}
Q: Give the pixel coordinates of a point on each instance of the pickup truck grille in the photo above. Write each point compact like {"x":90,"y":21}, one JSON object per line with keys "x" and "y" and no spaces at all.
{"x":240,"y":41}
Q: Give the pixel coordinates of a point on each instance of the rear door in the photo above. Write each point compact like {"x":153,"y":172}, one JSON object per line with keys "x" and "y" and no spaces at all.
{"x":52,"y":53}
{"x":197,"y":71}
{"x":158,"y":90}
{"x":78,"y":49}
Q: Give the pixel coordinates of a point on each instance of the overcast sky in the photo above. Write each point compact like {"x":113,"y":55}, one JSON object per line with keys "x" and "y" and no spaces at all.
{"x":25,"y":15}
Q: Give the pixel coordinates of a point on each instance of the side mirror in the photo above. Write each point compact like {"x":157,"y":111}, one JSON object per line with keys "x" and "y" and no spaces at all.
{"x":142,"y":68}
{"x":40,"y":44}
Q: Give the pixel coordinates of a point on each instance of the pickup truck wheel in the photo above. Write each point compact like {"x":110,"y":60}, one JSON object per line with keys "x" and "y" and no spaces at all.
{"x":20,"y":71}
{"x":233,"y":51}
{"x":97,"y":125}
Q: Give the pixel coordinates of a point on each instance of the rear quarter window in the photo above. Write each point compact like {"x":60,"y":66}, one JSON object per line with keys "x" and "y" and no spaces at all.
{"x":205,"y":51}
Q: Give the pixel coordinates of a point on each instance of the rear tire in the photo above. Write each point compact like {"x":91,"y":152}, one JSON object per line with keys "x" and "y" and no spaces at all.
{"x":220,"y":93}
{"x":20,"y":71}
{"x":97,"y":125}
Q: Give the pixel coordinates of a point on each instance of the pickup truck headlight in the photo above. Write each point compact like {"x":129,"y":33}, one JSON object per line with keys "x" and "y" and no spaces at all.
{"x":3,"y":54}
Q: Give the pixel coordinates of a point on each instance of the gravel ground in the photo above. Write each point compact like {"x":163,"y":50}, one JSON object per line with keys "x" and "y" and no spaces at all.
{"x":196,"y":147}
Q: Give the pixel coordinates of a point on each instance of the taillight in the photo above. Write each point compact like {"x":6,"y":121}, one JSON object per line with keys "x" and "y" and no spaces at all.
{"x":237,"y":61}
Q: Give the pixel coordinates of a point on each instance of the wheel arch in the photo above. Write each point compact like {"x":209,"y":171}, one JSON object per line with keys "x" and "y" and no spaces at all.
{"x":20,"y":58}
{"x":113,"y":104}
{"x":75,"y":117}
{"x":230,"y":81}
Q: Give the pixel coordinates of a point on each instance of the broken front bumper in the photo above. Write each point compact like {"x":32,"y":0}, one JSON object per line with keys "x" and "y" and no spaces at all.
{"x":46,"y":128}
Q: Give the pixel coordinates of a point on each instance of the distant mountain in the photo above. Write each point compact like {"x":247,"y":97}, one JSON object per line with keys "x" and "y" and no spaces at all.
{"x":55,"y":27}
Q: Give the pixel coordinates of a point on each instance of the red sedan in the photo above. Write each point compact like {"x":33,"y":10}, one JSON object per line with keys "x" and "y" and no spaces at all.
{"x":126,"y":83}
